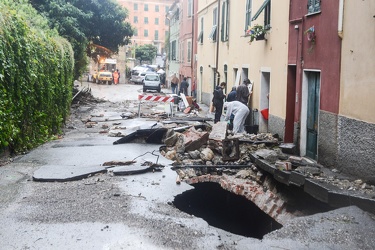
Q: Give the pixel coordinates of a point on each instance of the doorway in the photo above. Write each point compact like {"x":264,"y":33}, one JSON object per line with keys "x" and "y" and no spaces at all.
{"x":310,"y":114}
{"x":264,"y":104}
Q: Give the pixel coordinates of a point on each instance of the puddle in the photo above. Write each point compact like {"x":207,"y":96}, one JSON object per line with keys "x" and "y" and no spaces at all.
{"x":225,"y":210}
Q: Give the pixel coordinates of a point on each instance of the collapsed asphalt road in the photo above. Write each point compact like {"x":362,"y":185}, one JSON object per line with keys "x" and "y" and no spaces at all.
{"x":107,"y":211}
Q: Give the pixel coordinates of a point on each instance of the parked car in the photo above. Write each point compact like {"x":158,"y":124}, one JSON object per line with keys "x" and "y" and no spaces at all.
{"x":151,"y":82}
{"x":104,"y":77}
{"x":138,"y":73}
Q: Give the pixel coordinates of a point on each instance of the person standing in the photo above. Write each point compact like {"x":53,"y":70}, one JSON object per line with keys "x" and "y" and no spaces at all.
{"x":174,"y":84}
{"x":118,"y":72}
{"x":232,"y":95}
{"x":240,"y":112}
{"x":194,"y":89}
{"x":218,"y":101}
{"x":243,"y":92}
{"x":184,"y":86}
{"x":115,"y":77}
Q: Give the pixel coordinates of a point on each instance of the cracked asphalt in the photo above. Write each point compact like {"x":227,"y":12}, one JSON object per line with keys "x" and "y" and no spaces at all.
{"x":104,"y":211}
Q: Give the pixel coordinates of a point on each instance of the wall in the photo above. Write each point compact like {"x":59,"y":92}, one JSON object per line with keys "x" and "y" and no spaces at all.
{"x":357,"y":116}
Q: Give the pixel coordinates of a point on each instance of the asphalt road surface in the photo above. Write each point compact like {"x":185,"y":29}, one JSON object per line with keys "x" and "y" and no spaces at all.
{"x":134,"y":211}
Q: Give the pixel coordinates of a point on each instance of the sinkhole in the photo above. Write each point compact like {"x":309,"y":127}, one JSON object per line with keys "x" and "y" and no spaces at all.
{"x":225,"y":210}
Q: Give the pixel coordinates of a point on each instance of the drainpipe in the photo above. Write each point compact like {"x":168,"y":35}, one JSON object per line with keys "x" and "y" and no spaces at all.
{"x":192,"y":43}
{"x":341,"y":19}
{"x":217,"y":44}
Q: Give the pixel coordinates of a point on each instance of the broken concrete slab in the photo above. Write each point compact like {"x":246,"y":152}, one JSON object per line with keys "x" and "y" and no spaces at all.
{"x":268,"y":155}
{"x":219,"y":131}
{"x":61,"y":173}
{"x":134,"y":169}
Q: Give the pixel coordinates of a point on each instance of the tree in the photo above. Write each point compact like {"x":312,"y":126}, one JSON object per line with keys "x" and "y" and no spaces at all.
{"x":145,"y":53}
{"x":89,"y":25}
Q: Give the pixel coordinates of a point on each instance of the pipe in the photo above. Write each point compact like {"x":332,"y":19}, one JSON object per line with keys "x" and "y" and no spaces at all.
{"x":341,"y":18}
{"x":217,"y":44}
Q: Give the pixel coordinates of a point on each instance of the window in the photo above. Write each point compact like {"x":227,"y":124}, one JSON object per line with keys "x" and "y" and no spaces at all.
{"x":156,"y":8}
{"x":166,"y":9}
{"x":214,"y":25}
{"x":182,"y":52}
{"x":166,"y":33}
{"x":146,"y":7}
{"x":190,"y":8}
{"x":313,"y":6}
{"x":266,"y":6}
{"x":214,"y":15}
{"x":166,"y":21}
{"x":248,"y":14}
{"x":200,"y":36}
{"x":213,"y":33}
{"x":267,"y":16}
{"x":189,"y":51}
{"x":146,"y":20}
{"x":156,"y":35}
{"x":224,"y":22}
{"x":156,"y":20}
{"x":135,"y":19}
{"x":145,"y":33}
{"x":135,"y":32}
{"x":135,"y":6}
{"x":173,"y":50}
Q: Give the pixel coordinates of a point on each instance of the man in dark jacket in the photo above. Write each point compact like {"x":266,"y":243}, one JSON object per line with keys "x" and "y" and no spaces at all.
{"x":218,"y":101}
{"x":184,"y":86}
{"x":243,"y":92}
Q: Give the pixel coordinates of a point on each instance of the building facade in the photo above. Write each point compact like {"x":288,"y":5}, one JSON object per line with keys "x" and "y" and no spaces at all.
{"x":225,"y":54}
{"x":356,"y":114}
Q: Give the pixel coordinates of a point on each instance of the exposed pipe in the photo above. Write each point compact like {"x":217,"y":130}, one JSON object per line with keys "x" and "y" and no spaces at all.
{"x":217,"y":44}
{"x":341,"y":18}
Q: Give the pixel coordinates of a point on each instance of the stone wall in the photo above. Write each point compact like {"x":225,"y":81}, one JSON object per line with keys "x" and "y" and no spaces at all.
{"x":327,"y":139}
{"x":276,"y":125}
{"x":356,"y":147}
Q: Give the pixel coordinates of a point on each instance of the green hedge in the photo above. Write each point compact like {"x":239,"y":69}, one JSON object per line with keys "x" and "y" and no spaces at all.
{"x":36,"y":78}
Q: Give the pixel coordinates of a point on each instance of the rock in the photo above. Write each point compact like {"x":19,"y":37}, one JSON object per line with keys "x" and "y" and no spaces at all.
{"x":180,"y":144}
{"x":243,"y":174}
{"x":207,"y":154}
{"x":358,"y":182}
{"x":195,"y":154}
{"x":171,"y":155}
{"x":171,"y":138}
{"x":195,"y":139}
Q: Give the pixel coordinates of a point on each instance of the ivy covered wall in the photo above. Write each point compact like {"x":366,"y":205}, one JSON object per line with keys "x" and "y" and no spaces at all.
{"x":36,"y":78}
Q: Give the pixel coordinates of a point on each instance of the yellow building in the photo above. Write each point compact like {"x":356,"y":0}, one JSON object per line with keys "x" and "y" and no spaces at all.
{"x":225,"y":54}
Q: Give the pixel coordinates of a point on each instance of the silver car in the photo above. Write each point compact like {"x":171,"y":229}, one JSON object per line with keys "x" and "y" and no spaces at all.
{"x":151,"y":82}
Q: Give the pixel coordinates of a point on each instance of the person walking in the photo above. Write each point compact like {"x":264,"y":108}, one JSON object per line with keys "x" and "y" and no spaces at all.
{"x":218,"y":101}
{"x":240,"y":112}
{"x":174,"y":84}
{"x":184,"y":86}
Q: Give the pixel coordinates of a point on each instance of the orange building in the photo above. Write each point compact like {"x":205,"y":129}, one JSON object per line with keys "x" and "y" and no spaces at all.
{"x":148,"y":17}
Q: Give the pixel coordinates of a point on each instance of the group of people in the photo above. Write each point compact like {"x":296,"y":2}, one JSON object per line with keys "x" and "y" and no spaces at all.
{"x":236,"y":105}
{"x":184,"y":85}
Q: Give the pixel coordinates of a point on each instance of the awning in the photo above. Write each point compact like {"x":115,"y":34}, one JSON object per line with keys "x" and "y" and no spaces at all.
{"x":260,"y":9}
{"x":110,"y":61}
